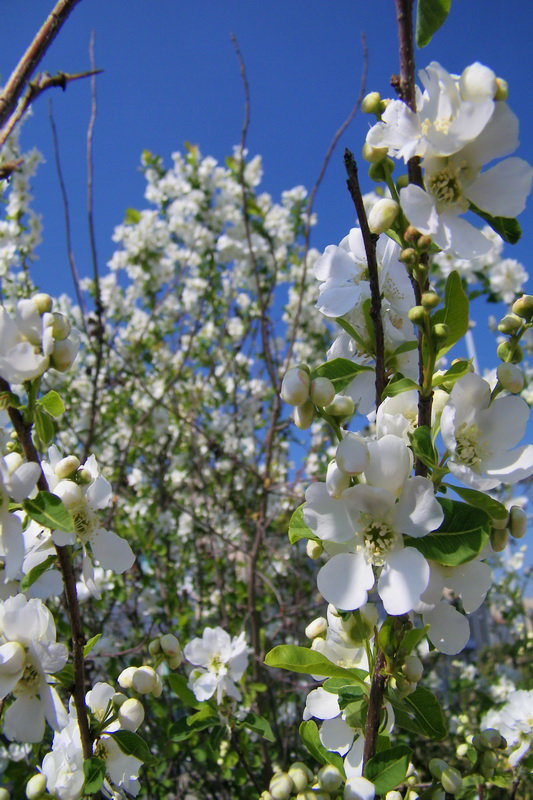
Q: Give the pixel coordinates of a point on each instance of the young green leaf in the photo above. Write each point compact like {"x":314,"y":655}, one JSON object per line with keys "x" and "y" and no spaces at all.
{"x":178,"y":684}
{"x":455,"y":314}
{"x":388,"y":768}
{"x":398,"y":386}
{"x":493,"y":508}
{"x":132,"y":744}
{"x":94,"y":771}
{"x":36,"y":572}
{"x":298,"y":529}
{"x":53,"y":404}
{"x":430,"y":15}
{"x":507,"y":227}
{"x":90,"y":644}
{"x":420,"y":713}
{"x":49,"y":511}
{"x":301,"y":659}
{"x":422,"y":446}
{"x":340,"y":371}
{"x":258,"y":725}
{"x":311,"y":739}
{"x":44,"y":426}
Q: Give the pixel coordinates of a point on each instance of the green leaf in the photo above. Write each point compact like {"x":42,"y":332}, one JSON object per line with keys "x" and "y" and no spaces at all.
{"x":492,"y":507}
{"x":132,"y":744}
{"x":350,"y":330}
{"x":422,"y":446}
{"x":90,"y":644}
{"x":405,"y":347}
{"x":456,"y":371}
{"x":461,"y":537}
{"x":257,"y":724}
{"x":421,"y":713}
{"x":455,"y":314}
{"x":298,"y":529}
{"x":411,"y":638}
{"x":53,"y":404}
{"x":44,"y":426}
{"x":340,"y":371}
{"x":133,"y":217}
{"x":36,"y":572}
{"x":430,"y":15}
{"x":65,"y":676}
{"x":49,"y":511}
{"x":311,"y":739}
{"x":388,"y":768}
{"x":184,"y":728}
{"x":398,"y":386}
{"x":507,"y":227}
{"x":301,"y":659}
{"x":178,"y":684}
{"x":94,"y":772}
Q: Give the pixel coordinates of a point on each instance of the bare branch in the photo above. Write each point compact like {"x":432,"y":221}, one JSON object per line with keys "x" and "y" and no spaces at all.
{"x":8,"y":167}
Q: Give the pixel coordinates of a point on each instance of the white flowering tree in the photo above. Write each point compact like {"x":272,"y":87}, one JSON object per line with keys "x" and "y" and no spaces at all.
{"x":152,"y":608}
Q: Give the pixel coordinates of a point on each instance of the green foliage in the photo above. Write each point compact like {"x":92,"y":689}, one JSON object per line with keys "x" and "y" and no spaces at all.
{"x":52,"y":404}
{"x":36,"y":572}
{"x":388,"y":768}
{"x":462,"y":536}
{"x":311,"y":739}
{"x":507,"y":227}
{"x":455,"y":314}
{"x":430,"y":15}
{"x":420,"y":713}
{"x":398,"y":385}
{"x":298,"y":529}
{"x":94,"y":770}
{"x":90,"y":644}
{"x":301,"y":659}
{"x":132,"y":744}
{"x":47,"y":509}
{"x":340,"y":371}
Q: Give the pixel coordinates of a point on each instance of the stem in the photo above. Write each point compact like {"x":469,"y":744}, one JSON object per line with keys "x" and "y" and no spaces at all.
{"x":375,"y":700}
{"x":369,"y":240}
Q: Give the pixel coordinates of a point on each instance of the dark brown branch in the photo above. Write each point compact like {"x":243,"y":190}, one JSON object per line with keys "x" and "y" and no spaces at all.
{"x":23,"y":431}
{"x":8,"y":167}
{"x":375,"y":701}
{"x":33,"y":55}
{"x":369,"y":240}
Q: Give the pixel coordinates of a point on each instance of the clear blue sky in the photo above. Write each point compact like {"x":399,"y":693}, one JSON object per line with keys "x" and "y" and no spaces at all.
{"x":171,"y":75}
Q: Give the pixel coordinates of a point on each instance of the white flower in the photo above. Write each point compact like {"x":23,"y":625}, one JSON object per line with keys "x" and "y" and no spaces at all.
{"x":514,"y":721}
{"x":63,"y":766}
{"x":17,"y":482}
{"x":359,"y":789}
{"x":221,"y":661}
{"x":481,"y":436}
{"x":364,"y":529}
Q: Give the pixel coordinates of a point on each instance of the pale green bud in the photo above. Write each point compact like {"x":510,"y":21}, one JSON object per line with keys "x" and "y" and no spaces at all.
{"x":510,"y":323}
{"x":303,"y":415}
{"x":511,"y":377}
{"x":394,"y":795}
{"x":4,"y":794}
{"x":318,"y":627}
{"x":451,"y":780}
{"x":170,"y":645}
{"x":265,"y":795}
{"x":281,"y":786}
{"x":500,"y":524}
{"x":336,"y":480}
{"x":154,"y":647}
{"x":131,"y":714}
{"x":374,"y":154}
{"x":517,"y":522}
{"x":63,"y":354}
{"x":477,"y":82}
{"x":502,"y":89}
{"x":489,"y":761}
{"x":299,"y":774}
{"x":371,"y":103}
{"x":499,"y":540}
{"x":462,"y":750}
{"x":380,"y":169}
{"x":36,"y":787}
{"x":436,"y":766}
{"x":411,"y":234}
{"x":322,"y":392}
{"x":382,"y":215}
{"x":491,"y":738}
{"x":43,"y":302}
{"x":175,"y":661}
{"x":342,"y":406}
{"x":295,"y":387}
{"x":413,"y":668}
{"x":125,"y":679}
{"x":66,"y":467}
{"x":430,"y":300}
{"x":510,"y":351}
{"x":329,"y":778}
{"x":118,"y":699}
{"x":417,"y":315}
{"x":314,"y":549}
{"x":424,"y":242}
{"x":523,"y":307}
{"x":61,"y":327}
{"x":409,"y":256}
{"x":352,"y":455}
{"x":83,"y":476}
{"x":440,"y":331}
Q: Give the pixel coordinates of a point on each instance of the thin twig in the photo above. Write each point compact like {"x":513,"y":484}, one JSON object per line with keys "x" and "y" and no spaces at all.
{"x":375,"y":700}
{"x":70,"y":252}
{"x":33,"y":55}
{"x":8,"y":167}
{"x":369,"y":241}
{"x":312,"y":196}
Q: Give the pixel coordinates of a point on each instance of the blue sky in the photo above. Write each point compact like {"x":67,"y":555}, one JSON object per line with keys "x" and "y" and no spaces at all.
{"x":170,"y":75}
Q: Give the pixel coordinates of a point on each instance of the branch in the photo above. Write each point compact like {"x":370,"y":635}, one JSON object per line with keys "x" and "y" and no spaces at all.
{"x":33,"y":55}
{"x":375,"y":701}
{"x":369,"y":240}
{"x":8,"y":167}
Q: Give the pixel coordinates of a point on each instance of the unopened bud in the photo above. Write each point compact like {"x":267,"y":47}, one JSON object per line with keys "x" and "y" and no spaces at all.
{"x":63,"y":354}
{"x":440,"y":331}
{"x":303,"y":415}
{"x":425,"y":242}
{"x":382,"y":215}
{"x":517,"y":522}
{"x":491,"y":738}
{"x":430,"y":300}
{"x":462,"y":750}
{"x":322,"y":392}
{"x":359,"y":789}
{"x":380,"y":170}
{"x":437,"y":766}
{"x":36,"y":787}
{"x":510,"y":351}
{"x":502,"y":89}
{"x":43,"y":302}
{"x":61,"y":327}
{"x":281,"y":786}
{"x":295,"y":386}
{"x":12,"y":661}
{"x":451,"y":780}
{"x":488,"y":763}
{"x":83,"y":476}
{"x":170,"y":645}
{"x":371,"y":103}
{"x":411,"y":234}
{"x":417,"y":315}
{"x":318,"y":627}
{"x":314,"y":549}
{"x":125,"y":679}
{"x":329,"y":778}
{"x":500,"y":524}
{"x":523,"y":307}
{"x":409,"y":256}
{"x":336,"y":480}
{"x":394,"y":795}
{"x":477,"y":82}
{"x":374,"y":154}
{"x":118,"y":699}
{"x":499,"y":540}
{"x":413,"y":668}
{"x":154,"y":647}
{"x":174,"y":661}
{"x":511,"y":377}
{"x":69,"y":492}
{"x":300,"y":775}
{"x":352,"y":454}
{"x":4,"y":794}
{"x":510,"y":323}
{"x":342,"y":406}
{"x":131,"y":714}
{"x":66,"y":467}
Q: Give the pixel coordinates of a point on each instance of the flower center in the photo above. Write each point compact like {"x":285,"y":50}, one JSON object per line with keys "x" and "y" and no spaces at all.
{"x":29,"y":682}
{"x":445,"y":187}
{"x":216,"y":663}
{"x":83,"y":520}
{"x":467,"y":447}
{"x":379,"y":539}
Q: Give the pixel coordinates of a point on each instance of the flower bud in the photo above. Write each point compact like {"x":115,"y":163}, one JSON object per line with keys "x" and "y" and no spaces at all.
{"x":382,"y":215}
{"x":322,"y":392}
{"x":295,"y":387}
{"x":409,"y":256}
{"x":83,"y":476}
{"x":374,"y":154}
{"x":12,"y":659}
{"x":118,"y":699}
{"x":477,"y":82}
{"x":413,"y":668}
{"x":329,"y":778}
{"x":417,"y":315}
{"x":352,"y":454}
{"x":265,"y":795}
{"x":131,"y":714}
{"x":4,"y":794}
{"x":171,"y":646}
{"x":451,"y":780}
{"x":499,"y":540}
{"x":425,"y":242}
{"x":379,"y":170}
{"x":336,"y":480}
{"x":510,"y":323}
{"x":318,"y":627}
{"x":436,"y":766}
{"x":66,"y":467}
{"x":359,"y":789}
{"x":303,"y":415}
{"x":511,"y":377}
{"x":154,"y":647}
{"x":61,"y":327}
{"x":488,"y":763}
{"x":174,"y":661}
{"x":491,"y":738}
{"x":125,"y":679}
{"x":300,"y":775}
{"x":371,"y":103}
{"x":63,"y":354}
{"x":43,"y":302}
{"x":510,"y":351}
{"x":517,"y":522}
{"x":502,"y":89}
{"x":430,"y":300}
{"x":281,"y":786}
{"x":36,"y":787}
{"x":462,"y":750}
{"x":411,"y":234}
{"x":440,"y":331}
{"x":69,"y":492}
{"x":314,"y":549}
{"x":394,"y":795}
{"x":500,"y":524}
{"x":342,"y":406}
{"x":143,"y":680}
{"x":523,"y":307}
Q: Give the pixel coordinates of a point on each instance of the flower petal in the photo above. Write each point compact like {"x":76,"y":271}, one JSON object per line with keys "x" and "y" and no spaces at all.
{"x":345,"y":581}
{"x":404,"y":577}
